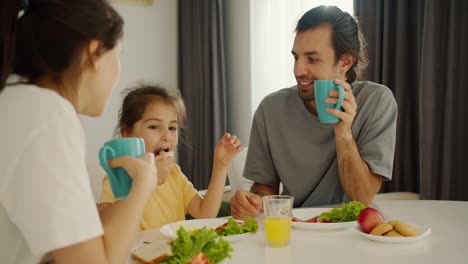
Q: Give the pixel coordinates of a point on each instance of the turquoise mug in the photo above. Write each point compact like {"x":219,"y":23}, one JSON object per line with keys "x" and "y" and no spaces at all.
{"x":322,"y":90}
{"x":119,"y":180}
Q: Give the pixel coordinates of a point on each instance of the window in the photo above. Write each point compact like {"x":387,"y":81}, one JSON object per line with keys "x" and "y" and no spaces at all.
{"x":272,"y":36}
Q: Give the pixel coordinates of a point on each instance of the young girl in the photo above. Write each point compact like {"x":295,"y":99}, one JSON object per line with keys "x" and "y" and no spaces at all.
{"x":152,"y":113}
{"x":69,"y":54}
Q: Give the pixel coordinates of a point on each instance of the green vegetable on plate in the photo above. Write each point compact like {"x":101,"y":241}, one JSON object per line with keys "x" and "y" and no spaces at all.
{"x":346,"y":213}
{"x":232,"y":227}
{"x":187,"y":246}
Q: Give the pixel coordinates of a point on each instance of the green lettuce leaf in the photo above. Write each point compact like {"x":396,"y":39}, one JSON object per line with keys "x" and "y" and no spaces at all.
{"x":186,"y":246}
{"x":250,"y":225}
{"x":347,"y":212}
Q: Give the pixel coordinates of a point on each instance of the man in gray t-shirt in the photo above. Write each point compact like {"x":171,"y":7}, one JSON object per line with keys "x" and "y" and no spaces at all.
{"x":321,"y":163}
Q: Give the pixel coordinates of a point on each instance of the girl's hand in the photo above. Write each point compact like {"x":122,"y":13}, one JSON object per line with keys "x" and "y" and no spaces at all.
{"x":163,"y":161}
{"x":142,"y":170}
{"x":226,"y":149}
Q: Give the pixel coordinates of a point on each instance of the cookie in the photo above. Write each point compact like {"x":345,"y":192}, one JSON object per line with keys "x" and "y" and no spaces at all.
{"x":406,"y":229}
{"x":393,"y":233}
{"x":381,"y":229}
{"x":393,"y":223}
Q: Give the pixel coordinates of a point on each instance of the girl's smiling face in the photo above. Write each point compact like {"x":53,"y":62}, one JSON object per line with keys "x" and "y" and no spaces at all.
{"x":158,"y":127}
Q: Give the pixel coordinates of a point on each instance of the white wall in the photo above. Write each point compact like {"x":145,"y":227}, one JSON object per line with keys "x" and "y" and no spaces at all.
{"x":238,"y":67}
{"x":150,"y":54}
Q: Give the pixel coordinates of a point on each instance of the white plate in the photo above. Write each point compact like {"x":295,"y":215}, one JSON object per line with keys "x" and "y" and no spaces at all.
{"x":307,"y":213}
{"x":170,"y":230}
{"x":425,"y":231}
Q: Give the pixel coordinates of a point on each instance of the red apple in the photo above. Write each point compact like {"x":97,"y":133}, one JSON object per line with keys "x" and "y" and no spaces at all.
{"x":369,"y":218}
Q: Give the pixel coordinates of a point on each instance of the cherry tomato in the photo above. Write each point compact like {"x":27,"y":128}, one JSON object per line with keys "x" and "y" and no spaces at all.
{"x":311,"y":220}
{"x":220,"y":227}
{"x":200,"y":259}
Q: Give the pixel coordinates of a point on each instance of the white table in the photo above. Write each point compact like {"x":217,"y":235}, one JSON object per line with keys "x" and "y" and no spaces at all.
{"x":448,"y":242}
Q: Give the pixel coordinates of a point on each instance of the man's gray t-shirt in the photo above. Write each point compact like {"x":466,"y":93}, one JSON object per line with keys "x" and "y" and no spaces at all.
{"x":288,"y":144}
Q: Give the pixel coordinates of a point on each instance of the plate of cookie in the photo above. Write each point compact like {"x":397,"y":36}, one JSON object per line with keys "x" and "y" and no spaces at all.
{"x":397,"y":231}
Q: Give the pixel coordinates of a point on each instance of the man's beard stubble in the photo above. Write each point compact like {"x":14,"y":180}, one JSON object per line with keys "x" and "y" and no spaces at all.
{"x":307,"y":97}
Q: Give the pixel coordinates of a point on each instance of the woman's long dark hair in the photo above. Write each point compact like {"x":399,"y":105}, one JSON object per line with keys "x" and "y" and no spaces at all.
{"x":50,"y":34}
{"x":8,"y":15}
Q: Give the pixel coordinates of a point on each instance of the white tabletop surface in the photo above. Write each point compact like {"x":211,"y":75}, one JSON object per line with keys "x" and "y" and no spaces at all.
{"x":447,"y":243}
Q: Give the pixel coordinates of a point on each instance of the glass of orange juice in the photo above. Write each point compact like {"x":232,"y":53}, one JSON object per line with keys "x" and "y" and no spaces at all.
{"x":278,"y":213}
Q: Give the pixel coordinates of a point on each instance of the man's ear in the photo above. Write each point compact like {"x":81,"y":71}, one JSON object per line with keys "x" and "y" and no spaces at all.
{"x":91,"y":53}
{"x":347,"y":61}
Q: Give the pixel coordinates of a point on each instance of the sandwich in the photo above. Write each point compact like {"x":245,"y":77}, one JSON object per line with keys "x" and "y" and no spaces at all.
{"x":202,"y":246}
{"x":154,"y":252}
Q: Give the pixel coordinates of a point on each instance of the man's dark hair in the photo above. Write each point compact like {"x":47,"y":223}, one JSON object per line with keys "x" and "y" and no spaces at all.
{"x":346,"y":36}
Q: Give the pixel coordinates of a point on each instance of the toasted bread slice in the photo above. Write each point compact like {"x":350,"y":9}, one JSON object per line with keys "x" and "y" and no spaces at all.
{"x":153,"y":252}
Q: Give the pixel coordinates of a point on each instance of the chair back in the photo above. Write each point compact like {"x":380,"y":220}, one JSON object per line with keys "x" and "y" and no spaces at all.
{"x":235,"y":172}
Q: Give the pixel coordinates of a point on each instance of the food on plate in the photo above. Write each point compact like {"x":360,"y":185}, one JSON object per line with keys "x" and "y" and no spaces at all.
{"x":310,"y":220}
{"x":369,"y":218}
{"x":393,"y":233}
{"x":200,"y":259}
{"x":403,"y":228}
{"x":187,"y":246}
{"x":372,"y":222}
{"x":154,"y":252}
{"x":406,"y":229}
{"x":381,"y":229}
{"x":233,"y":227}
{"x":393,"y":222}
{"x":347,"y":212}
{"x":295,"y":219}
{"x":202,"y":245}
{"x":395,"y":228}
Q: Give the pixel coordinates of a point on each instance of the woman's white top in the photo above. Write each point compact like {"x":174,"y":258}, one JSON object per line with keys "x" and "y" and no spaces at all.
{"x":46,"y":202}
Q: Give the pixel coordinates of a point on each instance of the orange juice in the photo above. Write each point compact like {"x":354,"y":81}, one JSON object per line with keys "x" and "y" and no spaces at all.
{"x":278,"y":231}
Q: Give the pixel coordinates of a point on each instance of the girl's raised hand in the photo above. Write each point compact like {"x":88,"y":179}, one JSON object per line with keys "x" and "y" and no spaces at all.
{"x":227,"y":148}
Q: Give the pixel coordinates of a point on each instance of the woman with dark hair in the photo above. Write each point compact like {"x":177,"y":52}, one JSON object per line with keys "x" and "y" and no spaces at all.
{"x":67,"y":54}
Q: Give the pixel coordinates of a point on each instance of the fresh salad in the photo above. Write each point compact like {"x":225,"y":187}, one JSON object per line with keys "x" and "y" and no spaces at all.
{"x":345,"y":213}
{"x":201,"y":243}
{"x":233,"y":227}
{"x":206,"y":245}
